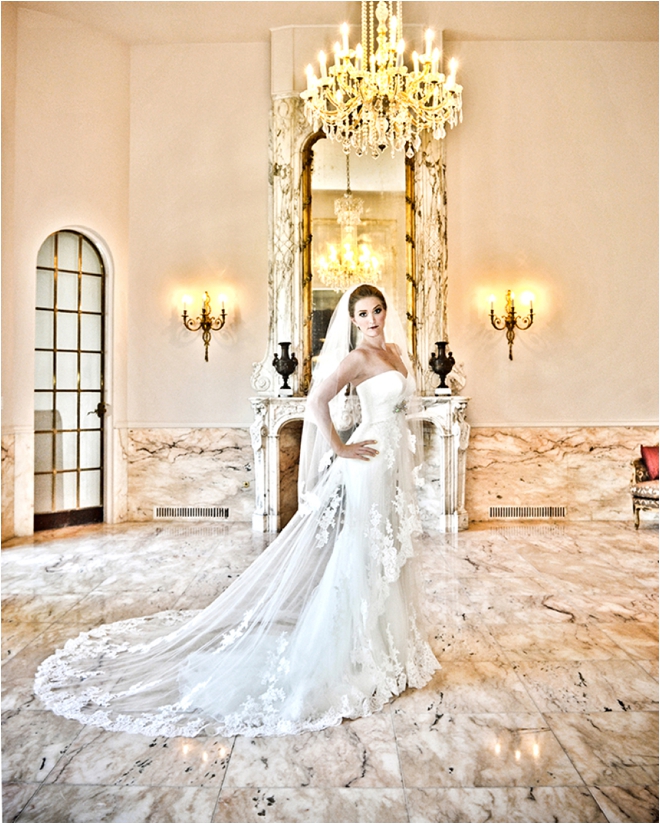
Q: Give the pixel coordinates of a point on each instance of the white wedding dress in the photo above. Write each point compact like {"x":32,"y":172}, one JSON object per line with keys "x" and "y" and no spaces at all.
{"x":324,"y":625}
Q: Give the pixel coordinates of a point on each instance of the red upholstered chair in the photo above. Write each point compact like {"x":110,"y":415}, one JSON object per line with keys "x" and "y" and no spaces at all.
{"x":644,"y":488}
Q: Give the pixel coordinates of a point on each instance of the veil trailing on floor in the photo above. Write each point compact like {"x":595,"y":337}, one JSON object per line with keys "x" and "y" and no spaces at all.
{"x":322,"y":626}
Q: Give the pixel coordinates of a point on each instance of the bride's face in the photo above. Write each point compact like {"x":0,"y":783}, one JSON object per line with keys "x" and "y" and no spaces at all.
{"x":369,"y":317}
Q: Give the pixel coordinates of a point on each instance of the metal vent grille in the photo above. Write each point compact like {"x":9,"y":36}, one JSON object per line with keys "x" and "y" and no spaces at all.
{"x":522,"y":512}
{"x":192,"y":512}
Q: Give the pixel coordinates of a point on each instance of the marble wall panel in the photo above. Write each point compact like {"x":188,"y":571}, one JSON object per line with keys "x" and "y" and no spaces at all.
{"x":189,"y":467}
{"x":7,"y":486}
{"x":586,"y":469}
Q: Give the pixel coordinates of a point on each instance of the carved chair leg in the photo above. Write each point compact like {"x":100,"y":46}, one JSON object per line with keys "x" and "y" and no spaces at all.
{"x":636,"y":511}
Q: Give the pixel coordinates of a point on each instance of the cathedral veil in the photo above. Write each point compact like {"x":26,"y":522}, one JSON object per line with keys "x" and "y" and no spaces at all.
{"x":323,"y":626}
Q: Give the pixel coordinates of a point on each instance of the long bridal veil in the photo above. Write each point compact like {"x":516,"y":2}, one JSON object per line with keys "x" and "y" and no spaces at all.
{"x":322,"y":626}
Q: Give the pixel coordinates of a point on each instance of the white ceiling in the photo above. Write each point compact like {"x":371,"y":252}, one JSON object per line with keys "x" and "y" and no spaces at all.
{"x":137,"y":22}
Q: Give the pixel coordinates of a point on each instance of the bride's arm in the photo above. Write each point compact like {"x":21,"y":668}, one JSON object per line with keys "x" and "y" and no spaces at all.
{"x":348,"y":371}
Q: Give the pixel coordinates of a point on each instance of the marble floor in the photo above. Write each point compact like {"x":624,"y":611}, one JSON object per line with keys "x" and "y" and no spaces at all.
{"x":545,"y":708}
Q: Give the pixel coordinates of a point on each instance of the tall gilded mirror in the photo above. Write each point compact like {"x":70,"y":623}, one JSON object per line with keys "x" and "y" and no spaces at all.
{"x":357,"y":227}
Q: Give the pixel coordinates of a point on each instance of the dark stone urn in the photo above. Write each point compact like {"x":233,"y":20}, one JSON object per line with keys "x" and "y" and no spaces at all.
{"x":442,"y":363}
{"x":285,"y":365}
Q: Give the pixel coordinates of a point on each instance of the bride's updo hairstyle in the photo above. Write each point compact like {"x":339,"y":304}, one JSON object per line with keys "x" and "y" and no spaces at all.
{"x":366,"y":290}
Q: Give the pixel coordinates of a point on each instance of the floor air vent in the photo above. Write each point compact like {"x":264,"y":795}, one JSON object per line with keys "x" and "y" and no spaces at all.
{"x":521,"y":512}
{"x":171,"y":513}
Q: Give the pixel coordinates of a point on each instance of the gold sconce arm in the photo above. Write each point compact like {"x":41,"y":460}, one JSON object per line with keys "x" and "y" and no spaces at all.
{"x":206,"y":322}
{"x":511,"y":321}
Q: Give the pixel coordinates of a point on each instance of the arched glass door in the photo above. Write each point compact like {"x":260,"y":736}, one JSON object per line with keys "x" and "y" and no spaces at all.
{"x":69,"y":366}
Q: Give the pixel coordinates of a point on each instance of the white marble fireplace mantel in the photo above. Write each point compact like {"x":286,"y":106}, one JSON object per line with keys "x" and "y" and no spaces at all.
{"x":441,"y":499}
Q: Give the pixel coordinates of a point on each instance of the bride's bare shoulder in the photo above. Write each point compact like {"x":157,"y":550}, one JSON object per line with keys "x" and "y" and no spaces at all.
{"x":394,"y":347}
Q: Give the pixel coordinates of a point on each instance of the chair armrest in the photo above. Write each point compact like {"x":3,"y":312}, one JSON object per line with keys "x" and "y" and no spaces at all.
{"x":640,"y":472}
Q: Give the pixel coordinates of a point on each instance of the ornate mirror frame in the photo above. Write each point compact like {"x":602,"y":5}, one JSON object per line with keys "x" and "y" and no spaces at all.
{"x":289,"y":275}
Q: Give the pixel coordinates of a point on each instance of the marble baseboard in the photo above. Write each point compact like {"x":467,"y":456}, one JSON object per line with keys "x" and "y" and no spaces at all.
{"x":7,"y":486}
{"x":189,"y":467}
{"x":586,"y":469}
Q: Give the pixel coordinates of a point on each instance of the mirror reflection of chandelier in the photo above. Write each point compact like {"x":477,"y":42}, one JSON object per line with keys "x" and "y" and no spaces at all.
{"x":353,"y":263}
{"x":369,"y":99}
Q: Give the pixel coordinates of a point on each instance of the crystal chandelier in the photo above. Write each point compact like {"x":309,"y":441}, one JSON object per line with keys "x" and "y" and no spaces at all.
{"x":351,"y":265}
{"x":369,"y":100}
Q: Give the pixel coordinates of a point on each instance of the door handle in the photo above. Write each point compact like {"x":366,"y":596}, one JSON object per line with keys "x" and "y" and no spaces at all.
{"x":100,"y":409}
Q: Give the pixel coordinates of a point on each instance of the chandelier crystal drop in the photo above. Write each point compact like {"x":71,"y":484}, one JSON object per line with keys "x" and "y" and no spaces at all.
{"x":353,"y":263}
{"x":369,"y":100}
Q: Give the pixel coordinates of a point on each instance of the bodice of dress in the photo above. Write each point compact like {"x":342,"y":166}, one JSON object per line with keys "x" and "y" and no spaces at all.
{"x":382,"y":396}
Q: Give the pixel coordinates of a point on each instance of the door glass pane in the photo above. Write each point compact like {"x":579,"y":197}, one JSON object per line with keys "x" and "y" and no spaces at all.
{"x":43,"y":493}
{"x":90,"y":371}
{"x":67,"y":410}
{"x":67,"y":291}
{"x":43,"y":420}
{"x":44,"y":330}
{"x":90,"y":488}
{"x":91,"y":262}
{"x":91,"y":293}
{"x":43,"y":452}
{"x":90,"y":332}
{"x":43,"y":401}
{"x":67,"y":370}
{"x":90,"y":449}
{"x":65,"y":490}
{"x":88,"y":403}
{"x":66,"y":450}
{"x":67,"y":330}
{"x":43,"y":370}
{"x":45,"y":289}
{"x":46,"y":256}
{"x":67,"y":251}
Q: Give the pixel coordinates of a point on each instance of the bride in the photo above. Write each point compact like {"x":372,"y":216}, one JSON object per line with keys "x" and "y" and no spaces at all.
{"x":324,"y":625}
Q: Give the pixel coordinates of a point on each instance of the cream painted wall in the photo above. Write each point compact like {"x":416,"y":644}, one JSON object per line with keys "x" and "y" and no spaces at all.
{"x":199,"y":220}
{"x":552,"y":182}
{"x":70,"y":170}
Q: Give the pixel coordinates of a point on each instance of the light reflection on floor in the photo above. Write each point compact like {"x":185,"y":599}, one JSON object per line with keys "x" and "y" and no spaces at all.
{"x":545,"y":709}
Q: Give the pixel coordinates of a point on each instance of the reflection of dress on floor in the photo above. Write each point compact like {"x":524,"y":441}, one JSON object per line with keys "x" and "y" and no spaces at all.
{"x":322,"y":626}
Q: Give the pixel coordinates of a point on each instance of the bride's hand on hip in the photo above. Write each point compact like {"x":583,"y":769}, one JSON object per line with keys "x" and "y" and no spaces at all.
{"x":358,"y":451}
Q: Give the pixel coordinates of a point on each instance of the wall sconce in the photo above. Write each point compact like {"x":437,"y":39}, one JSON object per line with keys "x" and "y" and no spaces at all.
{"x":206,"y":322}
{"x":510,"y":320}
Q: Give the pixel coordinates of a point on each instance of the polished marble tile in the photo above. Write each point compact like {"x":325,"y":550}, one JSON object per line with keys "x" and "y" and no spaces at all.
{"x":38,"y":609}
{"x":32,"y":743}
{"x":463,"y":641}
{"x":525,"y":804}
{"x":311,"y":804}
{"x":516,"y":614}
{"x":639,"y":640}
{"x":14,"y":798}
{"x":555,"y":641}
{"x":589,"y":686}
{"x":360,"y":753}
{"x":98,"y":757}
{"x":627,"y":803}
{"x":610,"y":748}
{"x":469,"y":686}
{"x":438,"y":749}
{"x":104,"y":607}
{"x":55,"y":802}
{"x":649,"y":666}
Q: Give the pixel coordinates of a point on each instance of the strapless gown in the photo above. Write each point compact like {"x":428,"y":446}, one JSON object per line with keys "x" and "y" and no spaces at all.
{"x":323,"y":626}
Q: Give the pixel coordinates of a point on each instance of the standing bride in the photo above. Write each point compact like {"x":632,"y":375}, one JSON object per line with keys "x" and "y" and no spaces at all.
{"x":324,"y":625}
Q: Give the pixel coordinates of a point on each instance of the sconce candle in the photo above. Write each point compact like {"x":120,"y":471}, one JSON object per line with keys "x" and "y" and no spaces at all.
{"x":510,"y":321}
{"x":206,"y":322}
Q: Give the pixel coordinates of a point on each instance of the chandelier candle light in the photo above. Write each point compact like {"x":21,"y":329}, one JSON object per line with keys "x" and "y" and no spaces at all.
{"x":510,"y":320}
{"x":369,"y":99}
{"x":340,"y":270}
{"x":206,"y":322}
